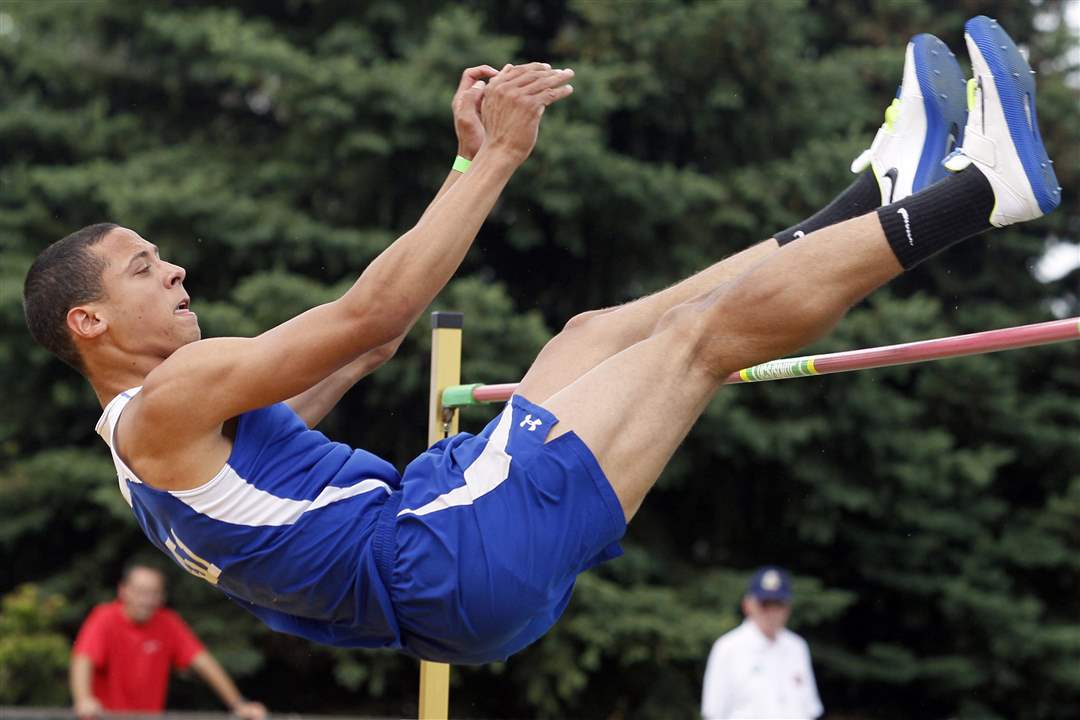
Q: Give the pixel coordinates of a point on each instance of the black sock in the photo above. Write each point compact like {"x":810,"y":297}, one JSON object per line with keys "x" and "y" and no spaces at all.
{"x":924,"y":224}
{"x":860,"y":198}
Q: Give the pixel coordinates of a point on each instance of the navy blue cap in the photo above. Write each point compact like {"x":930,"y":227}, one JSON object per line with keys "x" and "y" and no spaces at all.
{"x":770,"y":583}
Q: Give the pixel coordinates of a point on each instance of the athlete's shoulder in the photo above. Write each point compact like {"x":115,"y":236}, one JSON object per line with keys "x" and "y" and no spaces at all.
{"x":152,"y":439}
{"x":178,"y":394}
{"x":178,"y":362}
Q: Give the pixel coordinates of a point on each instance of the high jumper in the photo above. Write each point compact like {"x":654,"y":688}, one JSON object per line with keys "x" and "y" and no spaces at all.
{"x":472,"y":552}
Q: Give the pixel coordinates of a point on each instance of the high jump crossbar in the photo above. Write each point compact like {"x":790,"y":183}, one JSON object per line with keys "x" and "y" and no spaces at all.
{"x":1010,"y":338}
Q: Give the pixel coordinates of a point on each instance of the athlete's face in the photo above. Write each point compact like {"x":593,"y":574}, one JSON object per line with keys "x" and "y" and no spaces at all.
{"x":146,"y":309}
{"x":769,"y":615}
{"x":142,"y":593}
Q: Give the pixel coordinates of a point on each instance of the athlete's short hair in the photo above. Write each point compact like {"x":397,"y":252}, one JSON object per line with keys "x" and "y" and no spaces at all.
{"x":65,"y":274}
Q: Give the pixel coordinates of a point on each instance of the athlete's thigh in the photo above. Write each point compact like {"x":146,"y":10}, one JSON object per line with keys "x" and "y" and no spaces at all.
{"x":634,"y":409}
{"x":587,"y":340}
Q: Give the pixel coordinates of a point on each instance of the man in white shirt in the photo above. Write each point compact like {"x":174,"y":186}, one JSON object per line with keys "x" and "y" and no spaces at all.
{"x":760,"y":669}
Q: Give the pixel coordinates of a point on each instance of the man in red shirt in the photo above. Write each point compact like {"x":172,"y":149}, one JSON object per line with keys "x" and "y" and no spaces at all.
{"x":126,"y":648}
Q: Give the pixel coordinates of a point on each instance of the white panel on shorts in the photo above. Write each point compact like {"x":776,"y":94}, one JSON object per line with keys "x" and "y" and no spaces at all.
{"x":485,"y":474}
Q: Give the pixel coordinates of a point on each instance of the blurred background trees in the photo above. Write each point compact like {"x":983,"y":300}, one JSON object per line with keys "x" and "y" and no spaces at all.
{"x":931,"y":514}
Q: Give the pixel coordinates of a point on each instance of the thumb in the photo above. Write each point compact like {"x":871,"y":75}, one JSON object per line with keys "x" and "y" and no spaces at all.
{"x":469,"y":96}
{"x":477,"y":92}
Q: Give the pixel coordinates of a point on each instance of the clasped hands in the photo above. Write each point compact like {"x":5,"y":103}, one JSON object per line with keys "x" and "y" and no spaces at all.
{"x":501,"y":109}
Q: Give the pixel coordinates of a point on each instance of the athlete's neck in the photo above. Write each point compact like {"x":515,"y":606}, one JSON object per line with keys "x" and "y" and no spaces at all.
{"x":111,"y":373}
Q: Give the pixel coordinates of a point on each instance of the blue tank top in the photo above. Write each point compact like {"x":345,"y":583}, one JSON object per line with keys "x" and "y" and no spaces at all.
{"x":285,"y":528}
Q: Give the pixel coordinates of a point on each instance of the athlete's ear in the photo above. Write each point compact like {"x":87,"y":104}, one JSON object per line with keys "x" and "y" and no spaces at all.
{"x":85,"y":322}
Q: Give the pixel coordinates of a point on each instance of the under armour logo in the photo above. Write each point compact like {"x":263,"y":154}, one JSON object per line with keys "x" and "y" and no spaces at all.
{"x":531,"y":423}
{"x":798,"y":234}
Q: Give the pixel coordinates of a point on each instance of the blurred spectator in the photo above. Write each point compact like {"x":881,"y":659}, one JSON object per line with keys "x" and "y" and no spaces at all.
{"x":126,"y":648}
{"x":760,"y":669}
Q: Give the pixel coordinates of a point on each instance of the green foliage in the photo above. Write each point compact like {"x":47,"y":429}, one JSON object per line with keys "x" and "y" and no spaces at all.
{"x":33,"y":655}
{"x":931,"y":513}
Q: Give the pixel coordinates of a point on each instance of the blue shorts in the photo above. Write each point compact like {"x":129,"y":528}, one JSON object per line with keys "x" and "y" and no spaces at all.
{"x":490,"y":532}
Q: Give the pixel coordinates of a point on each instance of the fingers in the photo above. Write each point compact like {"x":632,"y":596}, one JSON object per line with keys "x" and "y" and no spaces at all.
{"x":471,"y":75}
{"x":542,"y":81}
{"x":478,"y":96}
{"x":553,"y":95}
{"x":512,"y":74}
{"x":513,"y":102}
{"x":537,"y":80}
{"x":467,"y":95}
{"x":469,"y":98}
{"x":532,"y":79}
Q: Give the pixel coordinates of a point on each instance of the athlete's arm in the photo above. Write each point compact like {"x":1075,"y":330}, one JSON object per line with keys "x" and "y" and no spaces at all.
{"x":205,"y":383}
{"x":314,"y":404}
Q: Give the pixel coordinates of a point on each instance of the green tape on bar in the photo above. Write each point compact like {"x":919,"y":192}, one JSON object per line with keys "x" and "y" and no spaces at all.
{"x":459,"y":395}
{"x":780,"y":369}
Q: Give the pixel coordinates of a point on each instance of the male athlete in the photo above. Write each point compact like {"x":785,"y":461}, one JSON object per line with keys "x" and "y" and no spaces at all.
{"x":471,"y":553}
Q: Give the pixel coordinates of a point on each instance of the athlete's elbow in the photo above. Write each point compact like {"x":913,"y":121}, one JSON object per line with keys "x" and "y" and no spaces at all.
{"x":384,"y":353}
{"x":390,"y":295}
{"x":382,"y":314}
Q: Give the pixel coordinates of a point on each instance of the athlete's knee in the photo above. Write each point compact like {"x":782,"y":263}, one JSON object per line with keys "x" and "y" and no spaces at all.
{"x":596,"y":328}
{"x":687,"y":330}
{"x":682,"y":328}
{"x":681,"y":321}
{"x":587,"y":321}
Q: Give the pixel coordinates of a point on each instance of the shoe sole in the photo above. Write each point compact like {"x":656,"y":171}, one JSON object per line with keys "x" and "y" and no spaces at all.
{"x":1014,"y":81}
{"x":941,"y":84}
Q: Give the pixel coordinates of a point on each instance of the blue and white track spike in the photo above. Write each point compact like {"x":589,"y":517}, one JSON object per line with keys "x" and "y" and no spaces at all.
{"x":1002,"y":135}
{"x":924,"y":123}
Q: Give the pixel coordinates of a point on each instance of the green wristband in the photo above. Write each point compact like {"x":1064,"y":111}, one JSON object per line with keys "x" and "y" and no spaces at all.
{"x":461,"y":164}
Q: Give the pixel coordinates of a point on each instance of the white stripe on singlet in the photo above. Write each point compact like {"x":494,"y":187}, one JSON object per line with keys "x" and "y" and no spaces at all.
{"x":228,"y":497}
{"x":232,"y":499}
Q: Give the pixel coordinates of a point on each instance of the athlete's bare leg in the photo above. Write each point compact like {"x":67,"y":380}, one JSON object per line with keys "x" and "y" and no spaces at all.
{"x":592,"y":337}
{"x":634,"y":409}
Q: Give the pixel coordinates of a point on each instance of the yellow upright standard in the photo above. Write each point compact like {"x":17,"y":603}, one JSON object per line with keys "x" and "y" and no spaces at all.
{"x":445,"y":371}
